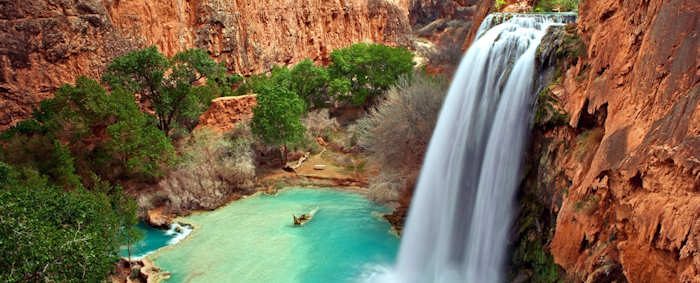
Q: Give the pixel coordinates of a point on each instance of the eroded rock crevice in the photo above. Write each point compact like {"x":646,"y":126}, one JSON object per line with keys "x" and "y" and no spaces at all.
{"x":621,"y":175}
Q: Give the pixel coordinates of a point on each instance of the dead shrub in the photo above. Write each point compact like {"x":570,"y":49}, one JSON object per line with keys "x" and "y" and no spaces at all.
{"x":319,"y":123}
{"x":396,"y":134}
{"x":212,"y":169}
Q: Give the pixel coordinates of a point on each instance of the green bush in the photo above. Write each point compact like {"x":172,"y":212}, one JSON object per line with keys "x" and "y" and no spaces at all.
{"x":104,"y":133}
{"x":361,"y":72}
{"x":549,"y":113}
{"x":556,"y":5}
{"x":310,"y":82}
{"x":498,"y":4}
{"x":55,"y":235}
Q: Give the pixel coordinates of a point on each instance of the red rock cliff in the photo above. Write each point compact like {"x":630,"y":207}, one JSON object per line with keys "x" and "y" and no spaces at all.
{"x":47,"y":43}
{"x":635,"y":199}
{"x":624,"y":175}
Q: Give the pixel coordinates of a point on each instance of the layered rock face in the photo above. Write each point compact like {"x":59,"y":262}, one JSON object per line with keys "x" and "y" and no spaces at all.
{"x":251,"y":36}
{"x":225,"y":113}
{"x":46,"y":43}
{"x":623,"y":177}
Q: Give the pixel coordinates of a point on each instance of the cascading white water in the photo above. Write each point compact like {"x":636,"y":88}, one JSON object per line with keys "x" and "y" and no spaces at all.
{"x":462,"y":210}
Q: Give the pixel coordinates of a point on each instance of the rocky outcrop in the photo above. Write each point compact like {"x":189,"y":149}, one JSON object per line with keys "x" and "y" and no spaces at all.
{"x":441,"y":27}
{"x":225,"y":113}
{"x":48,"y":43}
{"x":158,"y":217}
{"x":621,"y":175}
{"x":137,"y":270}
{"x":44,"y":44}
{"x":480,"y":13}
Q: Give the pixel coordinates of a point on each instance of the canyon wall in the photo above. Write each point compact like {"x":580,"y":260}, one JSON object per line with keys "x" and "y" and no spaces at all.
{"x":46,"y":43}
{"x":621,"y":174}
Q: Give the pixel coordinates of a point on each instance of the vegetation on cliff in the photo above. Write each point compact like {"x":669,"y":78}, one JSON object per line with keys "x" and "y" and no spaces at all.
{"x":543,"y":5}
{"x":173,"y":87}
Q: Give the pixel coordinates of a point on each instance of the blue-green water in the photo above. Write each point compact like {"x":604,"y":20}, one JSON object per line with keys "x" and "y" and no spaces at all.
{"x":253,"y":240}
{"x":154,"y":239}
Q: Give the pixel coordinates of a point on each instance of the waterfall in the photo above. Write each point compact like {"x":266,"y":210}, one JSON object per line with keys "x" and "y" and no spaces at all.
{"x":463,"y":207}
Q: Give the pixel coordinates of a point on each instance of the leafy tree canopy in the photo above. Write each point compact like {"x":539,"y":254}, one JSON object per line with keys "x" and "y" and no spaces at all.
{"x":104,"y":132}
{"x":173,"y":87}
{"x":360,"y":72}
{"x":277,"y":116}
{"x":56,"y":235}
{"x":311,"y":83}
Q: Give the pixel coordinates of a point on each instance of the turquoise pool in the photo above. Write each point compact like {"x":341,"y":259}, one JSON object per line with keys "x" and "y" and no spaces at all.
{"x":254,"y":240}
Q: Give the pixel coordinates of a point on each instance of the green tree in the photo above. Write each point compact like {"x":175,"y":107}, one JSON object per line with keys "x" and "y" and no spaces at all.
{"x":104,"y":132}
{"x":361,"y":72}
{"x":310,"y":82}
{"x":45,"y":154}
{"x":128,"y":142}
{"x":172,"y":87}
{"x":56,"y":235}
{"x":125,"y":207}
{"x":135,"y":144}
{"x":276,"y":118}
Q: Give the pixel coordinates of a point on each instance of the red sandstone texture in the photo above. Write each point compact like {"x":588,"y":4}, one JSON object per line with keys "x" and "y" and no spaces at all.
{"x":482,"y":10}
{"x":440,"y":27}
{"x":251,"y":36}
{"x":44,"y":44}
{"x":225,"y":113}
{"x":628,"y":164}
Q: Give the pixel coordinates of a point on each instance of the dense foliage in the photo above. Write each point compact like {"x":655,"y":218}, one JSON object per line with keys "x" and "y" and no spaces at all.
{"x":54,"y":235}
{"x":172,"y":86}
{"x":360,"y":72}
{"x":310,"y":82}
{"x":276,"y":119}
{"x":104,"y":133}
